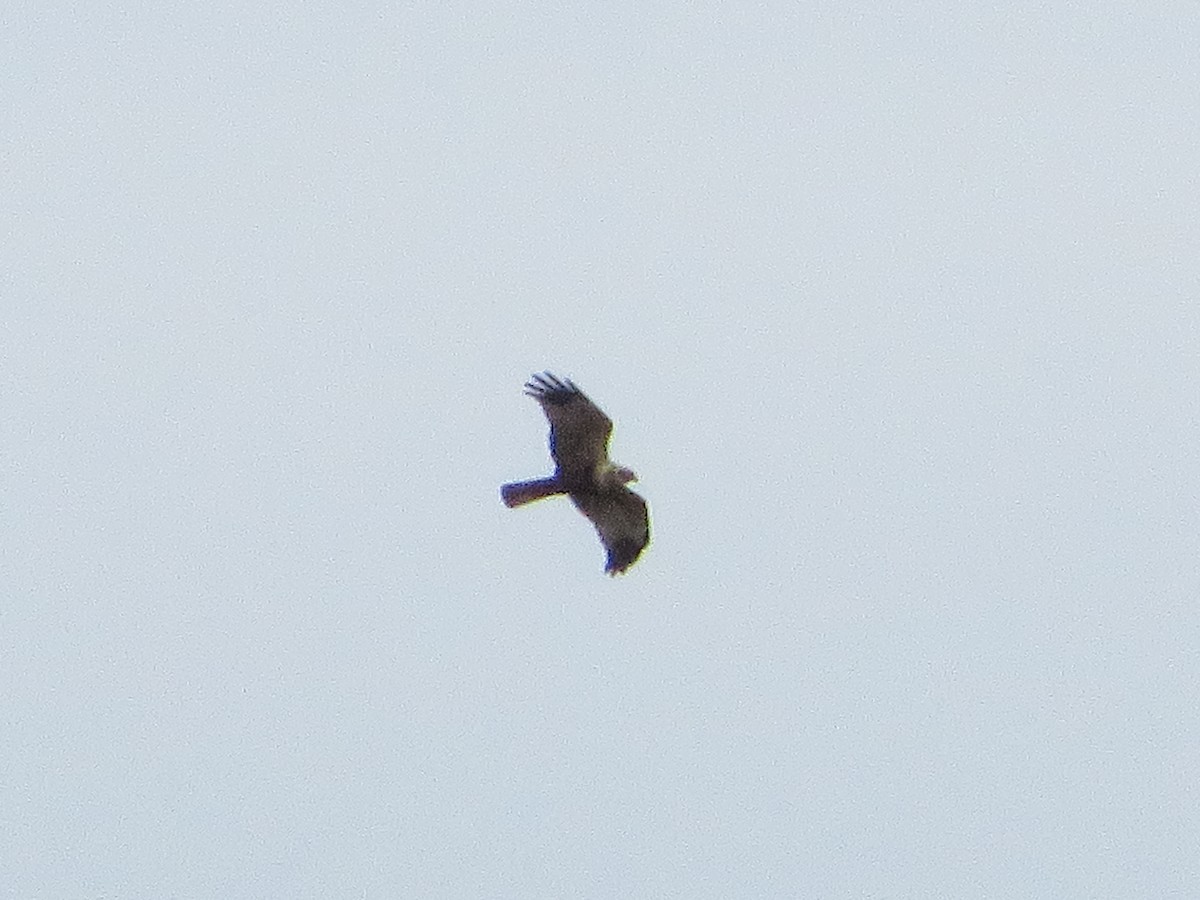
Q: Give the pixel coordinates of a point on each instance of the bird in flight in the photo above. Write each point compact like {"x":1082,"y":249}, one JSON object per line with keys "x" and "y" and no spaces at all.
{"x":579,"y":433}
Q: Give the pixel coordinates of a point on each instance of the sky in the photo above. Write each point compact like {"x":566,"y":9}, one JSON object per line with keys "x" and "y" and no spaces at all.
{"x":895,"y":310}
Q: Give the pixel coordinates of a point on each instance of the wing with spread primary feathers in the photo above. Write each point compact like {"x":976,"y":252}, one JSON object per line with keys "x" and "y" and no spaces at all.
{"x":579,"y":430}
{"x":621,"y":521}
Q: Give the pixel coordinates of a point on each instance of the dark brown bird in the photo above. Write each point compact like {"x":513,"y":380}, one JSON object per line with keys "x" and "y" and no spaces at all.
{"x":579,"y":432}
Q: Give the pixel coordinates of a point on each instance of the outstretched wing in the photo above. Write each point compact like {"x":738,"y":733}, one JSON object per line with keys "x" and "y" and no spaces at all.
{"x":621,"y":520}
{"x":579,"y":430}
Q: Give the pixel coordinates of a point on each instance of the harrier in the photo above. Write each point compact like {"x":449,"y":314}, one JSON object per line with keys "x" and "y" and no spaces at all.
{"x":579,"y":433}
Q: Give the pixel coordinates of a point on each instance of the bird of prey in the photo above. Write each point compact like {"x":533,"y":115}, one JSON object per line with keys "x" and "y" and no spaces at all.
{"x":579,"y":433}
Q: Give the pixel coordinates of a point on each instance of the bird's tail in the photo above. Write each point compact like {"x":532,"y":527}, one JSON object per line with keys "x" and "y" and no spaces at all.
{"x":518,"y":493}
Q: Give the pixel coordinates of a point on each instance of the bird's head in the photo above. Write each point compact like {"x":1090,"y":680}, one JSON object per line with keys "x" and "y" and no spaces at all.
{"x":623,"y":474}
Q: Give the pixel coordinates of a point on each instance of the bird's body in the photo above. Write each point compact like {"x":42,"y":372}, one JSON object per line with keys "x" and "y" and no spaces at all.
{"x":579,"y":433}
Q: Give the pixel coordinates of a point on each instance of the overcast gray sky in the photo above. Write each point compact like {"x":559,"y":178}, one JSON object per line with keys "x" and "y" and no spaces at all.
{"x":896,"y":311}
